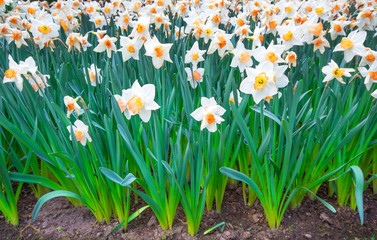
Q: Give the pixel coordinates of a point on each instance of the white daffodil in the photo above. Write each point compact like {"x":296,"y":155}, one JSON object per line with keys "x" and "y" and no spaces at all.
{"x":291,"y":59}
{"x":14,"y":73}
{"x":231,"y":97}
{"x":352,"y":45}
{"x":290,"y":35}
{"x":320,"y":44}
{"x":17,"y":36}
{"x":259,"y":82}
{"x":194,"y":76}
{"x":138,"y":100}
{"x":220,"y":42}
{"x":158,"y":51}
{"x":369,"y":58}
{"x":332,"y":71}
{"x":72,"y":105}
{"x":106,"y":44}
{"x":44,"y":29}
{"x":272,"y":54}
{"x":80,"y":131}
{"x":337,"y":28}
{"x":94,"y":75}
{"x":242,"y":57}
{"x":194,"y":55}
{"x":369,"y":74}
{"x":130,"y":48}
{"x":209,"y":114}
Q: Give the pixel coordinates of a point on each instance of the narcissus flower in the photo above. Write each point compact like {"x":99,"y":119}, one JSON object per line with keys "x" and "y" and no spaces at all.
{"x":259,"y":82}
{"x":332,"y":71}
{"x":106,"y":44}
{"x":231,"y":97}
{"x":44,"y":29}
{"x":138,"y":100}
{"x":194,"y":55}
{"x":220,"y":42}
{"x":242,"y":57}
{"x":14,"y":73}
{"x":209,"y":114}
{"x":158,"y":51}
{"x":94,"y":75}
{"x":272,"y":54}
{"x":72,"y":105}
{"x":352,"y":45}
{"x":194,"y":76}
{"x":130,"y":47}
{"x":80,"y":130}
{"x":369,"y":74}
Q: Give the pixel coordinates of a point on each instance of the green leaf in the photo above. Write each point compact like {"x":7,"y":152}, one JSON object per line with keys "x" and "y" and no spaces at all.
{"x":242,"y":177}
{"x":51,"y":195}
{"x":110,"y":174}
{"x":130,"y":178}
{"x":213,"y":228}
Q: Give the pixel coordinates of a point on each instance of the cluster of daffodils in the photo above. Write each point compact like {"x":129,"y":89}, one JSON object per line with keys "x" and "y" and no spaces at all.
{"x":224,"y":29}
{"x":25,"y":69}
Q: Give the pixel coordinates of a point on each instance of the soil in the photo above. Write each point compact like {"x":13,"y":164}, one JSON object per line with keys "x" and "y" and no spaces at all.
{"x":58,"y":219}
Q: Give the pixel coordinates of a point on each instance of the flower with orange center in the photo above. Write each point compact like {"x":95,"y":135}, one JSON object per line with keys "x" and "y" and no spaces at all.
{"x":288,"y":36}
{"x":140,"y":28}
{"x":79,"y":135}
{"x":370,"y":57}
{"x":352,"y":45}
{"x":138,"y":100}
{"x":337,"y":27}
{"x":10,"y":73}
{"x":319,"y":10}
{"x":270,"y":56}
{"x":71,"y":105}
{"x":209,"y":114}
{"x":159,"y":52}
{"x":106,"y":44}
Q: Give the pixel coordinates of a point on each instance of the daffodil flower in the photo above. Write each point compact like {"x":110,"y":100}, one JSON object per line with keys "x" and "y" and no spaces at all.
{"x":352,"y":45}
{"x":158,"y":51}
{"x":14,"y":73}
{"x":72,"y":105}
{"x":259,"y":82}
{"x":106,"y":44}
{"x":80,"y":131}
{"x":332,"y":71}
{"x":138,"y":101}
{"x":209,"y":114}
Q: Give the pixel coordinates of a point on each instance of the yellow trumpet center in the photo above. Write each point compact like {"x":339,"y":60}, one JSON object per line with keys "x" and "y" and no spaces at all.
{"x":79,"y":135}
{"x":44,"y":29}
{"x":338,"y":72}
{"x":346,"y":43}
{"x":260,"y":81}
{"x":288,"y":36}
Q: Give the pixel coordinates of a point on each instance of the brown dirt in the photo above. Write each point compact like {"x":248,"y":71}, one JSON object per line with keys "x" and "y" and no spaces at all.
{"x":58,"y":219}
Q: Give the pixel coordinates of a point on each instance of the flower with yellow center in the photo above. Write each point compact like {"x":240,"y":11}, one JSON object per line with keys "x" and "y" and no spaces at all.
{"x":44,"y":29}
{"x":140,"y":28}
{"x":352,"y":45}
{"x":158,"y":51}
{"x":138,"y":101}
{"x":80,"y":131}
{"x":209,"y":114}
{"x":259,"y":82}
{"x":290,"y":34}
{"x":332,"y":71}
